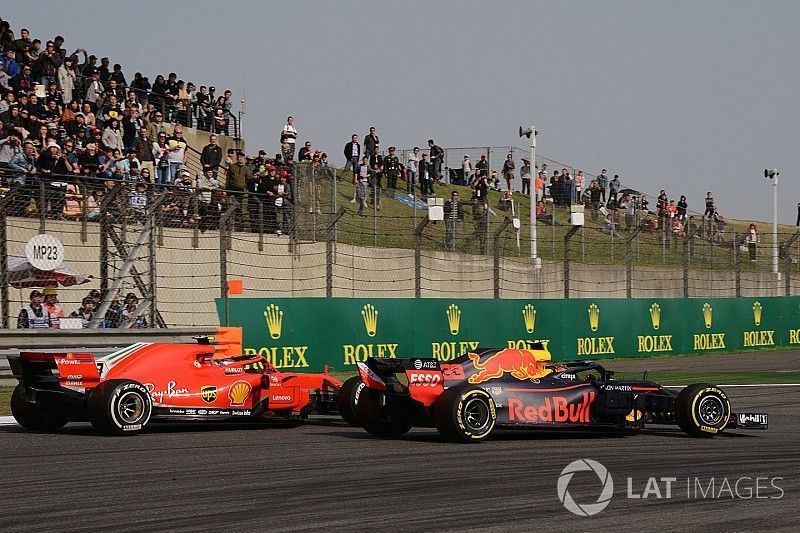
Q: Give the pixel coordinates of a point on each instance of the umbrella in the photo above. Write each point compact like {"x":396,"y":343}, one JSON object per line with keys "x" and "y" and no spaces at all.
{"x":633,"y":192}
{"x":21,"y":275}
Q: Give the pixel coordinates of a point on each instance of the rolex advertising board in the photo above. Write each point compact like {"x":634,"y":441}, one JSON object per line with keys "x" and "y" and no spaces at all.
{"x":308,"y":333}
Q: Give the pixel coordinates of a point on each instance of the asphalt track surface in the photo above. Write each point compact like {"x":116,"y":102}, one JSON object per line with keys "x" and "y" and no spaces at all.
{"x":326,"y":475}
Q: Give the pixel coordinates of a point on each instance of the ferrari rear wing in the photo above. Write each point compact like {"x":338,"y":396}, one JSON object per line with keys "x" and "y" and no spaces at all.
{"x":72,"y":370}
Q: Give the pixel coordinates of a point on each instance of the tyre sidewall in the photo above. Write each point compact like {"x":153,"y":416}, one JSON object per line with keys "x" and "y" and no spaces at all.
{"x":113,"y":404}
{"x":687,"y":409}
{"x":459,"y":413}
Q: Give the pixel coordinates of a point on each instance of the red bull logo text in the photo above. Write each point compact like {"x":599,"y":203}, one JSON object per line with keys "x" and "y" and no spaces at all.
{"x":521,"y":364}
{"x":554,"y":409}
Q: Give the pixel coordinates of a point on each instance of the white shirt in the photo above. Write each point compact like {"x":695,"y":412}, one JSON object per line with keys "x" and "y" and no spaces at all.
{"x":288,"y":128}
{"x":413,"y":163}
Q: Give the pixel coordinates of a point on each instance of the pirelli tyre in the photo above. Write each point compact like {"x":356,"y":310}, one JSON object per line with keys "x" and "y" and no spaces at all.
{"x":35,"y":416}
{"x":465,"y":413}
{"x":347,"y":400}
{"x":119,"y":407}
{"x":702,"y":410}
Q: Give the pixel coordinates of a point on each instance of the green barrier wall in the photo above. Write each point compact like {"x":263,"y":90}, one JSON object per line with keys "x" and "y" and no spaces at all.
{"x":307,"y":333}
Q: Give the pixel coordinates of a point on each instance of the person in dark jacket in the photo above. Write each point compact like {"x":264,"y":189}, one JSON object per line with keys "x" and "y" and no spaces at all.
{"x":212,"y":154}
{"x":371,"y":142}
{"x":437,"y":157}
{"x":352,"y":154}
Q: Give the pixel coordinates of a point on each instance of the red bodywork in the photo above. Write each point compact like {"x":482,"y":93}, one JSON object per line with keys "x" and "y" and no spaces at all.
{"x":196,"y":380}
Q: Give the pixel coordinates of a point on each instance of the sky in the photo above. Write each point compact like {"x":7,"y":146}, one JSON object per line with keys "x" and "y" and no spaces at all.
{"x":689,"y":96}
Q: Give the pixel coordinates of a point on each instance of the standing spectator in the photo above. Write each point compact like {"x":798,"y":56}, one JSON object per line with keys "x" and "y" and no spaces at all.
{"x":9,"y":65}
{"x":466,"y":168}
{"x":752,"y":241}
{"x":376,"y":181}
{"x":161,"y":158}
{"x":412,"y":170}
{"x":579,"y":182}
{"x":393,"y":168}
{"x":23,"y":168}
{"x":371,"y":142}
{"x":212,"y":154}
{"x":66,"y":79}
{"x":130,"y":166}
{"x":352,"y":153}
{"x":361,"y":178}
{"x":482,"y":165}
{"x":629,"y":205}
{"x":283,"y":202}
{"x":144,"y":151}
{"x":94,"y":90}
{"x":256,"y":192}
{"x":595,"y":193}
{"x":85,"y":312}
{"x":437,"y":157}
{"x":207,"y":186}
{"x":131,"y":123}
{"x":52,"y":307}
{"x":798,"y":214}
{"x":682,"y":207}
{"x":453,"y":215}
{"x":34,"y":315}
{"x":508,"y":171}
{"x":602,"y":182}
{"x":288,"y":139}
{"x":239,"y":174}
{"x":539,"y":185}
{"x":426,"y":174}
{"x":177,"y":152}
{"x":709,"y":212}
{"x":525,"y":174}
{"x":613,"y":188}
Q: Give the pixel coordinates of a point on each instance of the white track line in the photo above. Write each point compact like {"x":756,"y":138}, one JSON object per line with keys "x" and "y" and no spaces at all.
{"x":753,"y":385}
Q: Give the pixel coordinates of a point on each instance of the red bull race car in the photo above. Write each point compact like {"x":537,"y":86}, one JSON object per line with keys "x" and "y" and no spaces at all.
{"x":123,"y":392}
{"x":467,"y":399}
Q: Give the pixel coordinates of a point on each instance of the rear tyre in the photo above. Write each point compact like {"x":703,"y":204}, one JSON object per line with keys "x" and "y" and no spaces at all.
{"x":35,"y":416}
{"x":368,"y":415}
{"x":702,"y":410}
{"x":120,"y":407}
{"x":347,"y":400}
{"x":465,"y":413}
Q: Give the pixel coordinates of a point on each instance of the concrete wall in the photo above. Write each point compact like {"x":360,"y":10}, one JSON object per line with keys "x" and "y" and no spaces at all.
{"x":188,"y":277}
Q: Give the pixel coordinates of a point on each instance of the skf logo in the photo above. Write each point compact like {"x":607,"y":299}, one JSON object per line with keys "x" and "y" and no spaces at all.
{"x":655,"y":315}
{"x":274,"y":316}
{"x":208,"y":393}
{"x":594,"y":317}
{"x":529,"y":315}
{"x":757,"y":313}
{"x":370,"y":316}
{"x":239,"y":392}
{"x":454,"y":318}
{"x":708,"y":315}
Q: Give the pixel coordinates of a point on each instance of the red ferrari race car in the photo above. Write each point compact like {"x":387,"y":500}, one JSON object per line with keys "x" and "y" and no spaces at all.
{"x":123,"y":392}
{"x":520,"y":389}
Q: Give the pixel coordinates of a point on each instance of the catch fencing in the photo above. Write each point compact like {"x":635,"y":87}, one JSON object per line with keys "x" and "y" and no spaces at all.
{"x":176,"y":247}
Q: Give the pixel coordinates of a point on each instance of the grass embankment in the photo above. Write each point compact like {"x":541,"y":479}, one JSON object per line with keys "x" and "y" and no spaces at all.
{"x":393,"y":227}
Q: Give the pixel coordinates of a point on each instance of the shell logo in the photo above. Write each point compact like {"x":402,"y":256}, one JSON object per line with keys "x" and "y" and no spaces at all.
{"x":239,"y":392}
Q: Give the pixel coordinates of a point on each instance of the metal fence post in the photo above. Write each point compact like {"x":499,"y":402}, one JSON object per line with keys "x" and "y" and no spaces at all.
{"x":567,"y":238}
{"x":629,"y":262}
{"x":4,"y":301}
{"x":418,"y":257}
{"x":104,"y":230}
{"x":153,"y":277}
{"x":42,"y":208}
{"x":737,"y":267}
{"x":787,"y":274}
{"x":330,"y":240}
{"x":223,"y":255}
{"x":496,"y":251}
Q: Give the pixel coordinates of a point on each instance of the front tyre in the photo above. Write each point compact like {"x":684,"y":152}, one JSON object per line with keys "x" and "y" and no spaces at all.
{"x":465,"y":413}
{"x":120,"y":407}
{"x":702,"y":410}
{"x":35,"y":416}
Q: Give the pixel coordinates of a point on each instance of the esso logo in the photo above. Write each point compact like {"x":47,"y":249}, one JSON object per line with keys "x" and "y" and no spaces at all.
{"x":424,"y":379}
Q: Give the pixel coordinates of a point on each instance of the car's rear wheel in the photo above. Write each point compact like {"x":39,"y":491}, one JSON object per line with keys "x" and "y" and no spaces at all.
{"x":374,"y":420}
{"x":120,"y":407}
{"x":702,"y":410}
{"x":465,"y":413}
{"x":35,"y":416}
{"x":347,"y":400}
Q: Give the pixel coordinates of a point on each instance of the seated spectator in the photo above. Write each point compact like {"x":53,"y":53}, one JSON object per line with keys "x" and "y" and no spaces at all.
{"x":34,"y":315}
{"x":53,"y":308}
{"x":73,"y":206}
{"x":506,"y":201}
{"x":128,"y":314}
{"x":85,"y":312}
